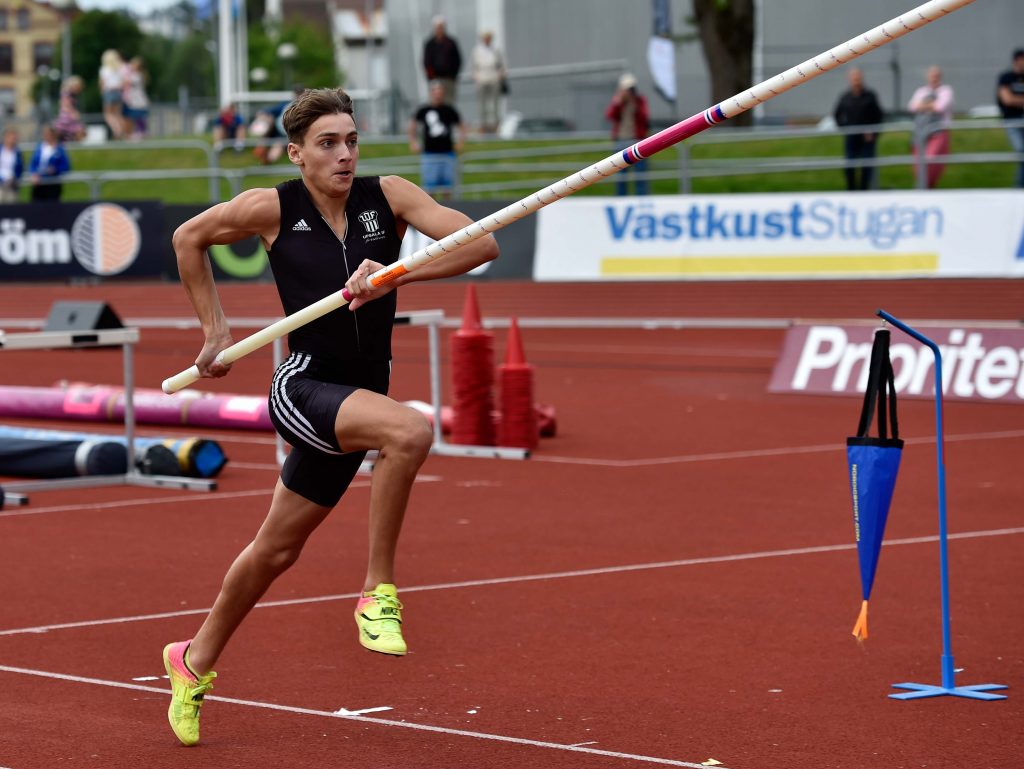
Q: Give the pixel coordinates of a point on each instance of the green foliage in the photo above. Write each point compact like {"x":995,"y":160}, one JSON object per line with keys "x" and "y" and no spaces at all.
{"x":190,"y":64}
{"x":314,"y":65}
{"x":92,"y":33}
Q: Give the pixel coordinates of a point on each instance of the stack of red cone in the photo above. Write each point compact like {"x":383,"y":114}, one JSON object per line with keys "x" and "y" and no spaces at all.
{"x":473,"y":378}
{"x":519,"y":426}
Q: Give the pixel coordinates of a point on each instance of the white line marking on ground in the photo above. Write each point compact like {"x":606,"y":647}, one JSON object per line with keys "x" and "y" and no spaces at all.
{"x":354,"y":717}
{"x":362,"y":712}
{"x":192,"y":498}
{"x":526,"y":578}
{"x":753,"y":453}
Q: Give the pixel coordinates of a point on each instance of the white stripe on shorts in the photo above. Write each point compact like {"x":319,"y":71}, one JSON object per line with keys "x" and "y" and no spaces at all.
{"x":286,"y":411}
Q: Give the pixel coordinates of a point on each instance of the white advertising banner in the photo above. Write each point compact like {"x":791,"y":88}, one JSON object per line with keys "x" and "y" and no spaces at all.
{"x":978,"y":363}
{"x":840,"y":235}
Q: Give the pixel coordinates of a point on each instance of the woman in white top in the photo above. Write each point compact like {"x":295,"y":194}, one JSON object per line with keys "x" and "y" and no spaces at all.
{"x":488,"y":75}
{"x":136,"y":103}
{"x":932,"y":105}
{"x":112,"y":72}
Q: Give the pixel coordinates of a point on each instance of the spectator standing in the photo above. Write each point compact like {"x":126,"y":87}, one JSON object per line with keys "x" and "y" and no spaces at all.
{"x":49,"y":162}
{"x":859,"y":106}
{"x":1010,"y":95}
{"x":488,"y":76}
{"x":630,"y":118}
{"x":932,"y":105}
{"x":12,"y":166}
{"x":442,"y":59}
{"x":112,"y":72}
{"x":136,"y":102}
{"x":68,"y":125}
{"x":437,"y":134}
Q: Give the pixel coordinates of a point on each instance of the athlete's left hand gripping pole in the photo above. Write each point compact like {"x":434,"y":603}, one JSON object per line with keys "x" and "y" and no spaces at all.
{"x":758,"y":94}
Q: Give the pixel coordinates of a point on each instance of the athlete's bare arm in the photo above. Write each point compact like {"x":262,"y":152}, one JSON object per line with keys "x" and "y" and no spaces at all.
{"x":254,"y":212}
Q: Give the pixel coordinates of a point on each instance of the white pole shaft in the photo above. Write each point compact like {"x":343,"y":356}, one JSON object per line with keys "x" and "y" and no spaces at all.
{"x":758,"y":94}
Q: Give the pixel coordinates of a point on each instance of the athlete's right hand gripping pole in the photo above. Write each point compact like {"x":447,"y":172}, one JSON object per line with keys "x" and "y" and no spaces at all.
{"x":758,"y":94}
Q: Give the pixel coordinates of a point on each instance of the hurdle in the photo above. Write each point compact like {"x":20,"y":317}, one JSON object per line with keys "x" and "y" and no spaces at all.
{"x":432,"y":320}
{"x":126,"y":339}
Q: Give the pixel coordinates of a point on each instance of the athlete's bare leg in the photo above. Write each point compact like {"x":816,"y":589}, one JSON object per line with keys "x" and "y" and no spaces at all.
{"x":277,"y":546}
{"x":367,"y":420}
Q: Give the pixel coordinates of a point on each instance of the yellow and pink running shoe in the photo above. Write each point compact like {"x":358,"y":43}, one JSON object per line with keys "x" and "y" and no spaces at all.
{"x":187,"y":692}
{"x":379,"y":617}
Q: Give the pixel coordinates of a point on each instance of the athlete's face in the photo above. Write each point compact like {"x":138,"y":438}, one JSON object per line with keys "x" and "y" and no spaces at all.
{"x":328,"y":154}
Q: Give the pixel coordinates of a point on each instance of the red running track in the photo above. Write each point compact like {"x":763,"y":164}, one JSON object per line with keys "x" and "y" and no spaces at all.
{"x":670,"y":579}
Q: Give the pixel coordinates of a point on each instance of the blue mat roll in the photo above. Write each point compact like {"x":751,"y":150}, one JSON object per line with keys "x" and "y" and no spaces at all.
{"x":192,"y":457}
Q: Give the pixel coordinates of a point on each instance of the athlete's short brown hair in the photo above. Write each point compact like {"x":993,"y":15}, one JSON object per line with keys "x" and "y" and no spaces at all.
{"x":310,"y":105}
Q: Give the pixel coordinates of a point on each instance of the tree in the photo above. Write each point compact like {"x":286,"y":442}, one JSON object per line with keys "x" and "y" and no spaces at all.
{"x":92,"y":33}
{"x":726,"y":29}
{"x":314,"y":67}
{"x":190,"y":64}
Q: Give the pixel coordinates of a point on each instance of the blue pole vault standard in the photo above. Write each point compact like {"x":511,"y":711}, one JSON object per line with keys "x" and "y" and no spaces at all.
{"x":977,"y":691}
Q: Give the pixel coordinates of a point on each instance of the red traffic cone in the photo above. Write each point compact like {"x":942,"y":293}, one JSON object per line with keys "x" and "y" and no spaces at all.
{"x":519,"y":424}
{"x":514,"y":356}
{"x":470,"y":313}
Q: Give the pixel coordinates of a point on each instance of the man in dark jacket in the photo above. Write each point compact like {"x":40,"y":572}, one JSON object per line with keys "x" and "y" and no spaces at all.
{"x":859,"y":106}
{"x":442,"y":59}
{"x":1010,"y":96}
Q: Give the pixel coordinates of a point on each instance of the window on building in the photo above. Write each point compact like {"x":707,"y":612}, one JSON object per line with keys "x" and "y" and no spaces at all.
{"x":6,"y":59}
{"x":42,"y":55}
{"x":3,"y":19}
{"x":23,"y":18}
{"x":7,"y":102}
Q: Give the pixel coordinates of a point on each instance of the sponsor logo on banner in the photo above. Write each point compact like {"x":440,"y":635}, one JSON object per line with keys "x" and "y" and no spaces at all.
{"x":978,"y":363}
{"x":105,"y":239}
{"x":20,"y":245}
{"x":954,"y":233}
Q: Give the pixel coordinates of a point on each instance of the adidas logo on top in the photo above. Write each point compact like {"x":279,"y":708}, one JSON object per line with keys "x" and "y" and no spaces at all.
{"x":301,"y":226}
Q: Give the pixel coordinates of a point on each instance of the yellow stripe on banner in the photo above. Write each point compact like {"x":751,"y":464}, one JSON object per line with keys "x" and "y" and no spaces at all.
{"x":667,"y":266}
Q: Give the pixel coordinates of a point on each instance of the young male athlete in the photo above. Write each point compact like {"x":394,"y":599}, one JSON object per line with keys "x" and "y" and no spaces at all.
{"x":327,"y":230}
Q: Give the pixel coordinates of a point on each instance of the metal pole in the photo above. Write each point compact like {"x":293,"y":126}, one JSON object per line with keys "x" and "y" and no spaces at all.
{"x":435,"y":379}
{"x":129,"y":406}
{"x":65,"y":45}
{"x":948,"y":672}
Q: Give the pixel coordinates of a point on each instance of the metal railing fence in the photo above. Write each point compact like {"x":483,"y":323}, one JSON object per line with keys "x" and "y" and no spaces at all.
{"x":495,"y":170}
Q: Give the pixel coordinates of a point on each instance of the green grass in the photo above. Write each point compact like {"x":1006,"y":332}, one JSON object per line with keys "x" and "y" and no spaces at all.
{"x":556,"y":167}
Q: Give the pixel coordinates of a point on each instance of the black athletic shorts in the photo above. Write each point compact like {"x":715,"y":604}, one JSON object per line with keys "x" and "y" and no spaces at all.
{"x":304,"y":398}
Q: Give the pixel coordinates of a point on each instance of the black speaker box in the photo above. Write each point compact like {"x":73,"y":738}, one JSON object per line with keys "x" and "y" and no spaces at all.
{"x":81,"y":316}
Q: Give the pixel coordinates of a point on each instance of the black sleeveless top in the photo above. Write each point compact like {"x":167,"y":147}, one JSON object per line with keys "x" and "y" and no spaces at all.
{"x":309,"y":261}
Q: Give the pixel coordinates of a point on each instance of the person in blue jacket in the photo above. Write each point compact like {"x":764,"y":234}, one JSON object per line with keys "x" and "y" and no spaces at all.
{"x":49,"y":161}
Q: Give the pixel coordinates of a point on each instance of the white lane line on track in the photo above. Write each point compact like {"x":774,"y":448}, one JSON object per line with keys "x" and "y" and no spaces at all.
{"x":193,"y":498}
{"x":527,"y":578}
{"x":754,"y":453}
{"x":362,"y":719}
{"x":196,"y":497}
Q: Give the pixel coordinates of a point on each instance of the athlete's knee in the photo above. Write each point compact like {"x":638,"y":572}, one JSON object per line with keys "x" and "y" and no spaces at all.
{"x":412,"y":436}
{"x":277,"y":557}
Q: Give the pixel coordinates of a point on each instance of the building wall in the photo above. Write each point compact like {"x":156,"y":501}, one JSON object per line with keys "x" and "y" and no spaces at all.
{"x":44,"y":26}
{"x":577,"y":32}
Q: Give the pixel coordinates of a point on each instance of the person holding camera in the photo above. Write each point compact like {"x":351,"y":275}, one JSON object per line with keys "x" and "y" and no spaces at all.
{"x":630,"y":119}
